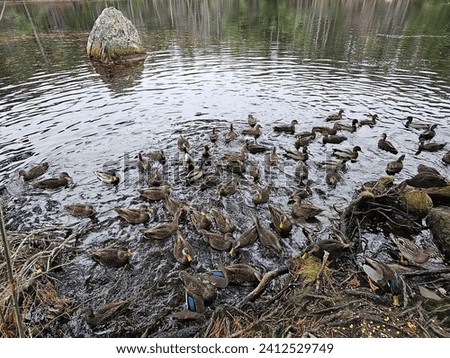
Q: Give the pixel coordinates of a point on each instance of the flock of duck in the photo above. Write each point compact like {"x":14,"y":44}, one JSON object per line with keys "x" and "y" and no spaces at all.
{"x":216,"y":227}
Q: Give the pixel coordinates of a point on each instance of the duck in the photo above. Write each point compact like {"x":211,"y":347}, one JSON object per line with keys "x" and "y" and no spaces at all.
{"x":262,"y":194}
{"x":108,"y":177}
{"x":369,"y":122}
{"x":53,"y":183}
{"x":211,"y":180}
{"x":301,"y":171}
{"x":201,"y":288}
{"x":295,"y":154}
{"x":218,"y":277}
{"x":347,"y":153}
{"x":304,"y":139}
{"x":255,"y":148}
{"x":33,"y":172}
{"x":112,"y":256}
{"x":272,"y":157}
{"x":243,"y":274}
{"x":429,"y":133}
{"x":417,"y":124}
{"x":302,"y":192}
{"x":214,"y":136}
{"x":163,"y":231}
{"x":410,"y":251}
{"x":207,"y":152}
{"x":254,"y":171}
{"x":386,"y":145}
{"x":183,"y":251}
{"x":81,"y":210}
{"x":157,"y":155}
{"x":349,"y":128}
{"x":155,"y":193}
{"x":172,"y":205}
{"x":106,"y":313}
{"x":134,"y":216}
{"x":446,"y":158}
{"x":247,"y":238}
{"x":228,"y":188}
{"x":395,"y":166}
{"x":427,"y":180}
{"x":281,"y":222}
{"x":335,"y":249}
{"x":327,"y":130}
{"x":235,"y":166}
{"x":332,"y":164}
{"x":199,"y":219}
{"x":335,"y":116}
{"x":268,"y":238}
{"x":251,"y":120}
{"x":333,"y":177}
{"x":305,"y":211}
{"x":223,"y":223}
{"x":155,"y":177}
{"x":195,"y":173}
{"x":195,"y":307}
{"x":422,"y":168}
{"x":143,"y":163}
{"x":218,"y":241}
{"x":230,"y":135}
{"x":254,"y":132}
{"x":188,"y":161}
{"x":429,"y":147}
{"x":333,"y":138}
{"x":235,"y":156}
{"x":383,"y":277}
{"x":183,"y":144}
{"x":286,"y":128}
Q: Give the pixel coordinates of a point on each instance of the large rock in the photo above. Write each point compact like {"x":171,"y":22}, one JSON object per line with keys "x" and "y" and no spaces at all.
{"x":114,"y":39}
{"x":439,"y":223}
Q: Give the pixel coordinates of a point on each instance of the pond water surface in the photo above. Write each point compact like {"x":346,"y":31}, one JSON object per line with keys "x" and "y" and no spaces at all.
{"x":209,"y":64}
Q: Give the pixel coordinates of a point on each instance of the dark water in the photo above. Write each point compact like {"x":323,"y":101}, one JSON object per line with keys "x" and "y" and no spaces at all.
{"x":279,"y":60}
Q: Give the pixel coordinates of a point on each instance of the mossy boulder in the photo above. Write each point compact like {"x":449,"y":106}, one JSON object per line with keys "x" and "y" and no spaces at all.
{"x":114,"y":39}
{"x":438,"y":221}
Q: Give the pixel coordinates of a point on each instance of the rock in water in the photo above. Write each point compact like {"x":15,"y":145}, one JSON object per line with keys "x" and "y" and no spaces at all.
{"x":114,"y":39}
{"x":439,"y":223}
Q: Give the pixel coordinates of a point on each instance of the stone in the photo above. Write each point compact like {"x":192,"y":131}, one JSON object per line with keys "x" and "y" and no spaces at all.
{"x":438,"y":220}
{"x":114,"y":39}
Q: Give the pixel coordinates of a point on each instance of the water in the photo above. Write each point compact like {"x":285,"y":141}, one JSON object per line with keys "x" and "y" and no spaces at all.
{"x":209,"y":64}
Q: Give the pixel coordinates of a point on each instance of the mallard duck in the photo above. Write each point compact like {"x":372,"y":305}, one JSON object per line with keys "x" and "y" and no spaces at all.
{"x":202,"y":288}
{"x":195,"y":173}
{"x":417,"y":124}
{"x":268,"y":238}
{"x":34,"y":172}
{"x":395,"y":166}
{"x":349,"y":128}
{"x":234,"y":166}
{"x":183,"y":250}
{"x":427,"y":180}
{"x":230,"y":135}
{"x":335,"y":249}
{"x":302,"y":192}
{"x":296,"y":154}
{"x":157,"y":155}
{"x":410,"y":251}
{"x":172,"y":205}
{"x":213,"y":137}
{"x":228,"y":188}
{"x":207,"y":152}
{"x":286,"y":128}
{"x":301,"y":171}
{"x":218,"y":278}
{"x":383,"y":276}
{"x":347,"y":153}
{"x":234,"y":156}
{"x":251,"y":120}
{"x":272,"y":157}
{"x":333,"y":177}
{"x":155,"y":177}
{"x":327,"y":130}
{"x":223,"y":223}
{"x":243,"y":275}
{"x":429,"y":133}
{"x":134,"y":216}
{"x":281,"y":222}
{"x":255,"y":148}
{"x":218,"y":241}
{"x":429,"y":147}
{"x":188,"y":161}
{"x":156,"y":193}
{"x":305,"y":211}
{"x":369,"y":122}
{"x":81,"y":210}
{"x":112,"y":256}
{"x":254,"y":171}
{"x":254,"y":132}
{"x":262,"y":194}
{"x":332,"y":164}
{"x":335,"y":116}
{"x":108,"y":177}
{"x":386,"y":145}
{"x":195,"y":306}
{"x":54,"y":183}
{"x":163,"y":231}
{"x":333,"y":138}
{"x":422,"y":168}
{"x":106,"y":313}
{"x":446,"y":158}
{"x":199,"y":219}
{"x":248,"y":237}
{"x":211,"y":180}
{"x":304,"y":139}
{"x":183,"y":143}
{"x":143,"y":164}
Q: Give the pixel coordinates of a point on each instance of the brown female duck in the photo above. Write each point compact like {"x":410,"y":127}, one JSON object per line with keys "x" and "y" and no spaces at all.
{"x":134,"y":216}
{"x":199,"y":219}
{"x":395,"y":166}
{"x":304,"y":139}
{"x":195,"y":286}
{"x":106,"y":313}
{"x":247,"y":238}
{"x":34,"y":172}
{"x":213,"y":137}
{"x":272,"y":157}
{"x":108,"y":177}
{"x":347,"y":153}
{"x":163,"y":231}
{"x":243,"y":275}
{"x":333,"y":138}
{"x":112,"y":256}
{"x":427,"y":180}
{"x":349,"y":128}
{"x":157,"y":155}
{"x":295,"y":154}
{"x":251,"y":120}
{"x":335,"y":116}
{"x":230,"y":135}
{"x":446,"y":158}
{"x":183,"y":250}
{"x":303,"y":210}
{"x":268,"y":238}
{"x":218,"y":241}
{"x":335,"y":249}
{"x":53,"y":183}
{"x":155,"y":193}
{"x":228,"y":188}
{"x":369,"y":122}
{"x":183,"y":144}
{"x":254,"y":132}
{"x":223,"y":223}
{"x":429,"y":133}
{"x":81,"y":210}
{"x":281,"y":222}
{"x":286,"y":128}
{"x":429,"y":147}
{"x":410,"y":251}
{"x":386,"y":145}
{"x":143,"y":164}
{"x":262,"y":194}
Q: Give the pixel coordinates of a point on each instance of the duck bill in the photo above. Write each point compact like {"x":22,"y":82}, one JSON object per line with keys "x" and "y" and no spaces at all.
{"x":395,"y":301}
